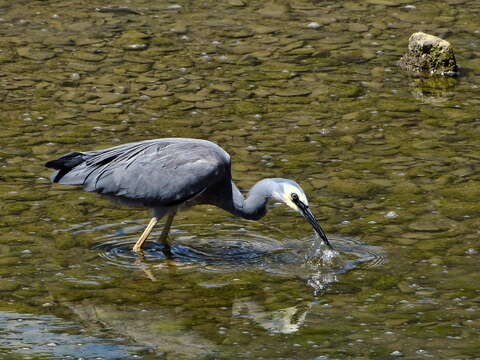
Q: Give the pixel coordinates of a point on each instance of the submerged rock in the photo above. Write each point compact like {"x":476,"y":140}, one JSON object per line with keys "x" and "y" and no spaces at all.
{"x":428,"y":54}
{"x":35,"y":54}
{"x":277,"y":10}
{"x":133,"y":40}
{"x":121,"y":10}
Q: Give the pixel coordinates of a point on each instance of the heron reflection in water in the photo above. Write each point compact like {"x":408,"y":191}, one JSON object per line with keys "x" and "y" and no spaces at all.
{"x":171,"y":174}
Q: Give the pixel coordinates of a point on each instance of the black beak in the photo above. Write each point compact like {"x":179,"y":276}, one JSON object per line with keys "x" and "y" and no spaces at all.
{"x":307,"y":214}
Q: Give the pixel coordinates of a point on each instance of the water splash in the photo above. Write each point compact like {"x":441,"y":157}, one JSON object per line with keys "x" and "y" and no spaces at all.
{"x":325,"y":263}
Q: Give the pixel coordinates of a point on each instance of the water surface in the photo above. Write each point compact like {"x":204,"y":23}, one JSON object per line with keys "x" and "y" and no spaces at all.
{"x":306,"y":90}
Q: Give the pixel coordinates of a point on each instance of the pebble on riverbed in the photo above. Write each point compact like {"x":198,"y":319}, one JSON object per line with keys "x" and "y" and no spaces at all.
{"x":430,"y":55}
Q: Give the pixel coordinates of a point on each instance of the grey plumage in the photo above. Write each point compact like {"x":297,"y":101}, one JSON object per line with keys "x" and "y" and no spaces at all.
{"x":167,"y":174}
{"x":154,"y":172}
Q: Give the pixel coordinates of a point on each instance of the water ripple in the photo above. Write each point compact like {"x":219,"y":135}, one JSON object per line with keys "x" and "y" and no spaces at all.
{"x":238,"y":249}
{"x":233,"y":247}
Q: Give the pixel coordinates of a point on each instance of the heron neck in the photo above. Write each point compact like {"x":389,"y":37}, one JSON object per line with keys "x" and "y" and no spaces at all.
{"x":254,"y":206}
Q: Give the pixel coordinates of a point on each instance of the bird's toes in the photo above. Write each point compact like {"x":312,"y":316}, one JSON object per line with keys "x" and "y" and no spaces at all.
{"x":138,"y":250}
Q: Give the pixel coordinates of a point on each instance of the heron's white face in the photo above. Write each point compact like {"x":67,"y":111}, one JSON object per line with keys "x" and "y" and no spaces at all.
{"x":285,"y":195}
{"x":289,"y":192}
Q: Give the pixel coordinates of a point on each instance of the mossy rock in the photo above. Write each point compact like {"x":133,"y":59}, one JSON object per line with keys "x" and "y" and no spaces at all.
{"x":248,"y":107}
{"x":465,"y":192}
{"x":445,"y":330}
{"x":160,"y":103}
{"x":429,"y":55}
{"x":459,"y":210}
{"x":406,"y":190}
{"x":397,"y":105}
{"x":356,"y":188}
{"x":8,"y":286}
{"x":15,"y":208}
{"x":347,"y":90}
{"x":385,"y":282}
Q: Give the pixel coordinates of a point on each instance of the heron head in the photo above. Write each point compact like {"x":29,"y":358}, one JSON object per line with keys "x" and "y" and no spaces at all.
{"x":292,"y":194}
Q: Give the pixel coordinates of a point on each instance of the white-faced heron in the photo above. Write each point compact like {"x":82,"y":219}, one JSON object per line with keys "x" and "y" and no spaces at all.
{"x":170,"y":174}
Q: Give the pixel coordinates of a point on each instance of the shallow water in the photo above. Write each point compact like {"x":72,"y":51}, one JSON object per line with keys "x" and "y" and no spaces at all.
{"x":389,"y":163}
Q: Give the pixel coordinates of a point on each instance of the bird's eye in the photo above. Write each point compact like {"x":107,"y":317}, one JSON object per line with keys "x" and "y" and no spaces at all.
{"x":294,"y":197}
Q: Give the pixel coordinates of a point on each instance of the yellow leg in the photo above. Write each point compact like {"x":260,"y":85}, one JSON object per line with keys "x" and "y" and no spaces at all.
{"x":139,"y":244}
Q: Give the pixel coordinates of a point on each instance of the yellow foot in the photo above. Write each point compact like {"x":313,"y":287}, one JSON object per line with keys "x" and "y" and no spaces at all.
{"x":138,"y":249}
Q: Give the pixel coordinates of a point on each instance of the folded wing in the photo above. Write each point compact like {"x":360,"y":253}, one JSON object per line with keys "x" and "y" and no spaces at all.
{"x":156,"y":172}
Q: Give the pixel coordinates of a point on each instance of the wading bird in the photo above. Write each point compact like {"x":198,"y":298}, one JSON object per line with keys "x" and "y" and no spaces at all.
{"x":171,"y":174}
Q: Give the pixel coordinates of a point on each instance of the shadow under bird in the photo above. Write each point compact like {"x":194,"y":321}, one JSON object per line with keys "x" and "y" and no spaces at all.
{"x":168,"y":175}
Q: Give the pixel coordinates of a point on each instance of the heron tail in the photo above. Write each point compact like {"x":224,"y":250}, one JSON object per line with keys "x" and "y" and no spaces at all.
{"x":64,"y":164}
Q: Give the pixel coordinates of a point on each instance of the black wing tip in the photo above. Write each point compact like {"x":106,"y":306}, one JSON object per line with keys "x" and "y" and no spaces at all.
{"x":68,"y":161}
{"x":64,"y":164}
{"x":52,"y":164}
